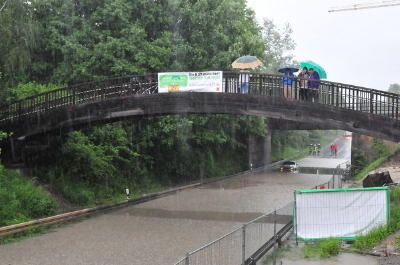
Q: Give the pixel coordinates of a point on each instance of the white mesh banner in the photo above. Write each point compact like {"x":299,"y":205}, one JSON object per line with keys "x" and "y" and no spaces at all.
{"x":339,"y":213}
{"x":190,"y":81}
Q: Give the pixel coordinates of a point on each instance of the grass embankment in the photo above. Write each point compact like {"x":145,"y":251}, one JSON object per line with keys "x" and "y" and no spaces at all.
{"x":377,"y":235}
{"x":365,"y":159}
{"x":373,"y":165}
{"x":22,"y":201}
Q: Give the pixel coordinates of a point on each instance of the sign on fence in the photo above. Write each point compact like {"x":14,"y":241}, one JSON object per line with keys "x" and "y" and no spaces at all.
{"x":339,"y":213}
{"x":190,"y":81}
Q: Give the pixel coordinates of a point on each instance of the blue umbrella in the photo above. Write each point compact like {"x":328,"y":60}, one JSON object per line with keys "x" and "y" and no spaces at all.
{"x":291,"y":68}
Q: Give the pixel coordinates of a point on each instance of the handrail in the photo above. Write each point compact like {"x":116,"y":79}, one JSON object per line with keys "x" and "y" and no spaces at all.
{"x":324,"y":92}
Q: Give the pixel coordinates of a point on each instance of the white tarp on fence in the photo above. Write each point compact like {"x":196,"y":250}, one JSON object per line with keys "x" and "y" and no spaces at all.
{"x":339,"y":213}
{"x":190,"y":81}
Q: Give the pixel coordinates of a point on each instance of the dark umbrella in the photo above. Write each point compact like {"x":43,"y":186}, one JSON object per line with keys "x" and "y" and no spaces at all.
{"x":291,"y":68}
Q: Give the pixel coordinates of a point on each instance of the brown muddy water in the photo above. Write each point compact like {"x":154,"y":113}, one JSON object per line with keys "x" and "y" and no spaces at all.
{"x":161,"y":231}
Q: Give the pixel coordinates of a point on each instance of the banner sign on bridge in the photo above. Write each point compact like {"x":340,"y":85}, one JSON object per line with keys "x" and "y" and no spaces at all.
{"x":190,"y":81}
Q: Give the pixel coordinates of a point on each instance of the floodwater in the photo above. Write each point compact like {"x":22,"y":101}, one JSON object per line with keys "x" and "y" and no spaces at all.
{"x":161,"y":231}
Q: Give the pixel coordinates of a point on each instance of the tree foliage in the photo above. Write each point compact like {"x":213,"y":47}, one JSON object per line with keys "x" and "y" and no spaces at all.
{"x":70,"y":41}
{"x":19,"y":33}
{"x":101,"y":162}
{"x":394,"y":88}
{"x":279,"y":45}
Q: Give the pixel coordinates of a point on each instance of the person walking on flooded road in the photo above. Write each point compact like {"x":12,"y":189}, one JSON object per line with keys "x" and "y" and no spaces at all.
{"x":335,"y":149}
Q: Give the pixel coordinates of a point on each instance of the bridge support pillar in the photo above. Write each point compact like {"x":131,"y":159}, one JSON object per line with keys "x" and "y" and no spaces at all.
{"x":259,"y":150}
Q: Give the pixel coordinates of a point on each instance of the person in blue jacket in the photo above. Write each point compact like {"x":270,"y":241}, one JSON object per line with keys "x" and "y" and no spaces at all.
{"x":288,"y":82}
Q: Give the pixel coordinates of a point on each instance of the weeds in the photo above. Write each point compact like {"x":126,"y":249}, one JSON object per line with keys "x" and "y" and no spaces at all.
{"x":378,"y":234}
{"x":323,"y":249}
{"x":372,"y":238}
{"x":398,"y":242}
{"x":21,"y":200}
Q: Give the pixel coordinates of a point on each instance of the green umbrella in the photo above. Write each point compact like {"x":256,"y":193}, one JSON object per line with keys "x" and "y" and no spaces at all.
{"x":319,"y":69}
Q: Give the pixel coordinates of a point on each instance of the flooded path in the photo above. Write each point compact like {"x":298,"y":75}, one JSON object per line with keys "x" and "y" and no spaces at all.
{"x":161,"y":231}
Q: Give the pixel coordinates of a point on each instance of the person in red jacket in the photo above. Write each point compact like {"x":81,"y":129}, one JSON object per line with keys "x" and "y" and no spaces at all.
{"x":335,"y":148}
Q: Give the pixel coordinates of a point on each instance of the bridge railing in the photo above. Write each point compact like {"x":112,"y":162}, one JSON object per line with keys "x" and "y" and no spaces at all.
{"x":78,"y":94}
{"x":325,"y":92}
{"x":314,"y":91}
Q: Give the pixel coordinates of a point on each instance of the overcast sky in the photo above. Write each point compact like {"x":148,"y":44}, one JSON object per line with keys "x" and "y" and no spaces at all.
{"x":359,"y":47}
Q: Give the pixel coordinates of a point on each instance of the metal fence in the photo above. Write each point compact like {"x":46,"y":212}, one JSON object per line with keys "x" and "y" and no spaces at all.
{"x":248,"y":243}
{"x":238,"y":246}
{"x":336,"y":182}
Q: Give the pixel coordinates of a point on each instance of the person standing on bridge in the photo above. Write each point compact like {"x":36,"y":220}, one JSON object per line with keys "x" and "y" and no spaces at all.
{"x":313,"y":85}
{"x":303,"y":83}
{"x":244,"y":81}
{"x":288,"y":82}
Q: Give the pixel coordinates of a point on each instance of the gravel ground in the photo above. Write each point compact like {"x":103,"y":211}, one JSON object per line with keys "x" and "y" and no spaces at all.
{"x":392,"y":260}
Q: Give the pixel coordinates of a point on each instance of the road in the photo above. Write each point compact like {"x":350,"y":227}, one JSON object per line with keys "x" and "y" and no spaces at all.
{"x":159,"y":232}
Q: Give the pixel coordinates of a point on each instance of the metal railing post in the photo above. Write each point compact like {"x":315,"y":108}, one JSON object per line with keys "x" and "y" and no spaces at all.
{"x":275,"y":239}
{"x":226,"y":84}
{"x":19,"y":110}
{"x":275,"y":225}
{"x":73,"y":95}
{"x":243,"y":244}
{"x":187,"y":259}
{"x":47,"y":104}
{"x":337,"y":95}
{"x":371,"y":102}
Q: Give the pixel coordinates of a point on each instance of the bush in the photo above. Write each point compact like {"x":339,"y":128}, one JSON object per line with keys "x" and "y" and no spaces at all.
{"x":21,"y":200}
{"x":324,"y":249}
{"x":329,"y":247}
{"x":78,"y":193}
{"x":372,"y":238}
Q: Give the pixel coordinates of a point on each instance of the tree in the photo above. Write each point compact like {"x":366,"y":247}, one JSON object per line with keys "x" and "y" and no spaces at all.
{"x":279,"y":44}
{"x":96,"y":39}
{"x":18,"y":33}
{"x":85,"y":40}
{"x":394,"y":88}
